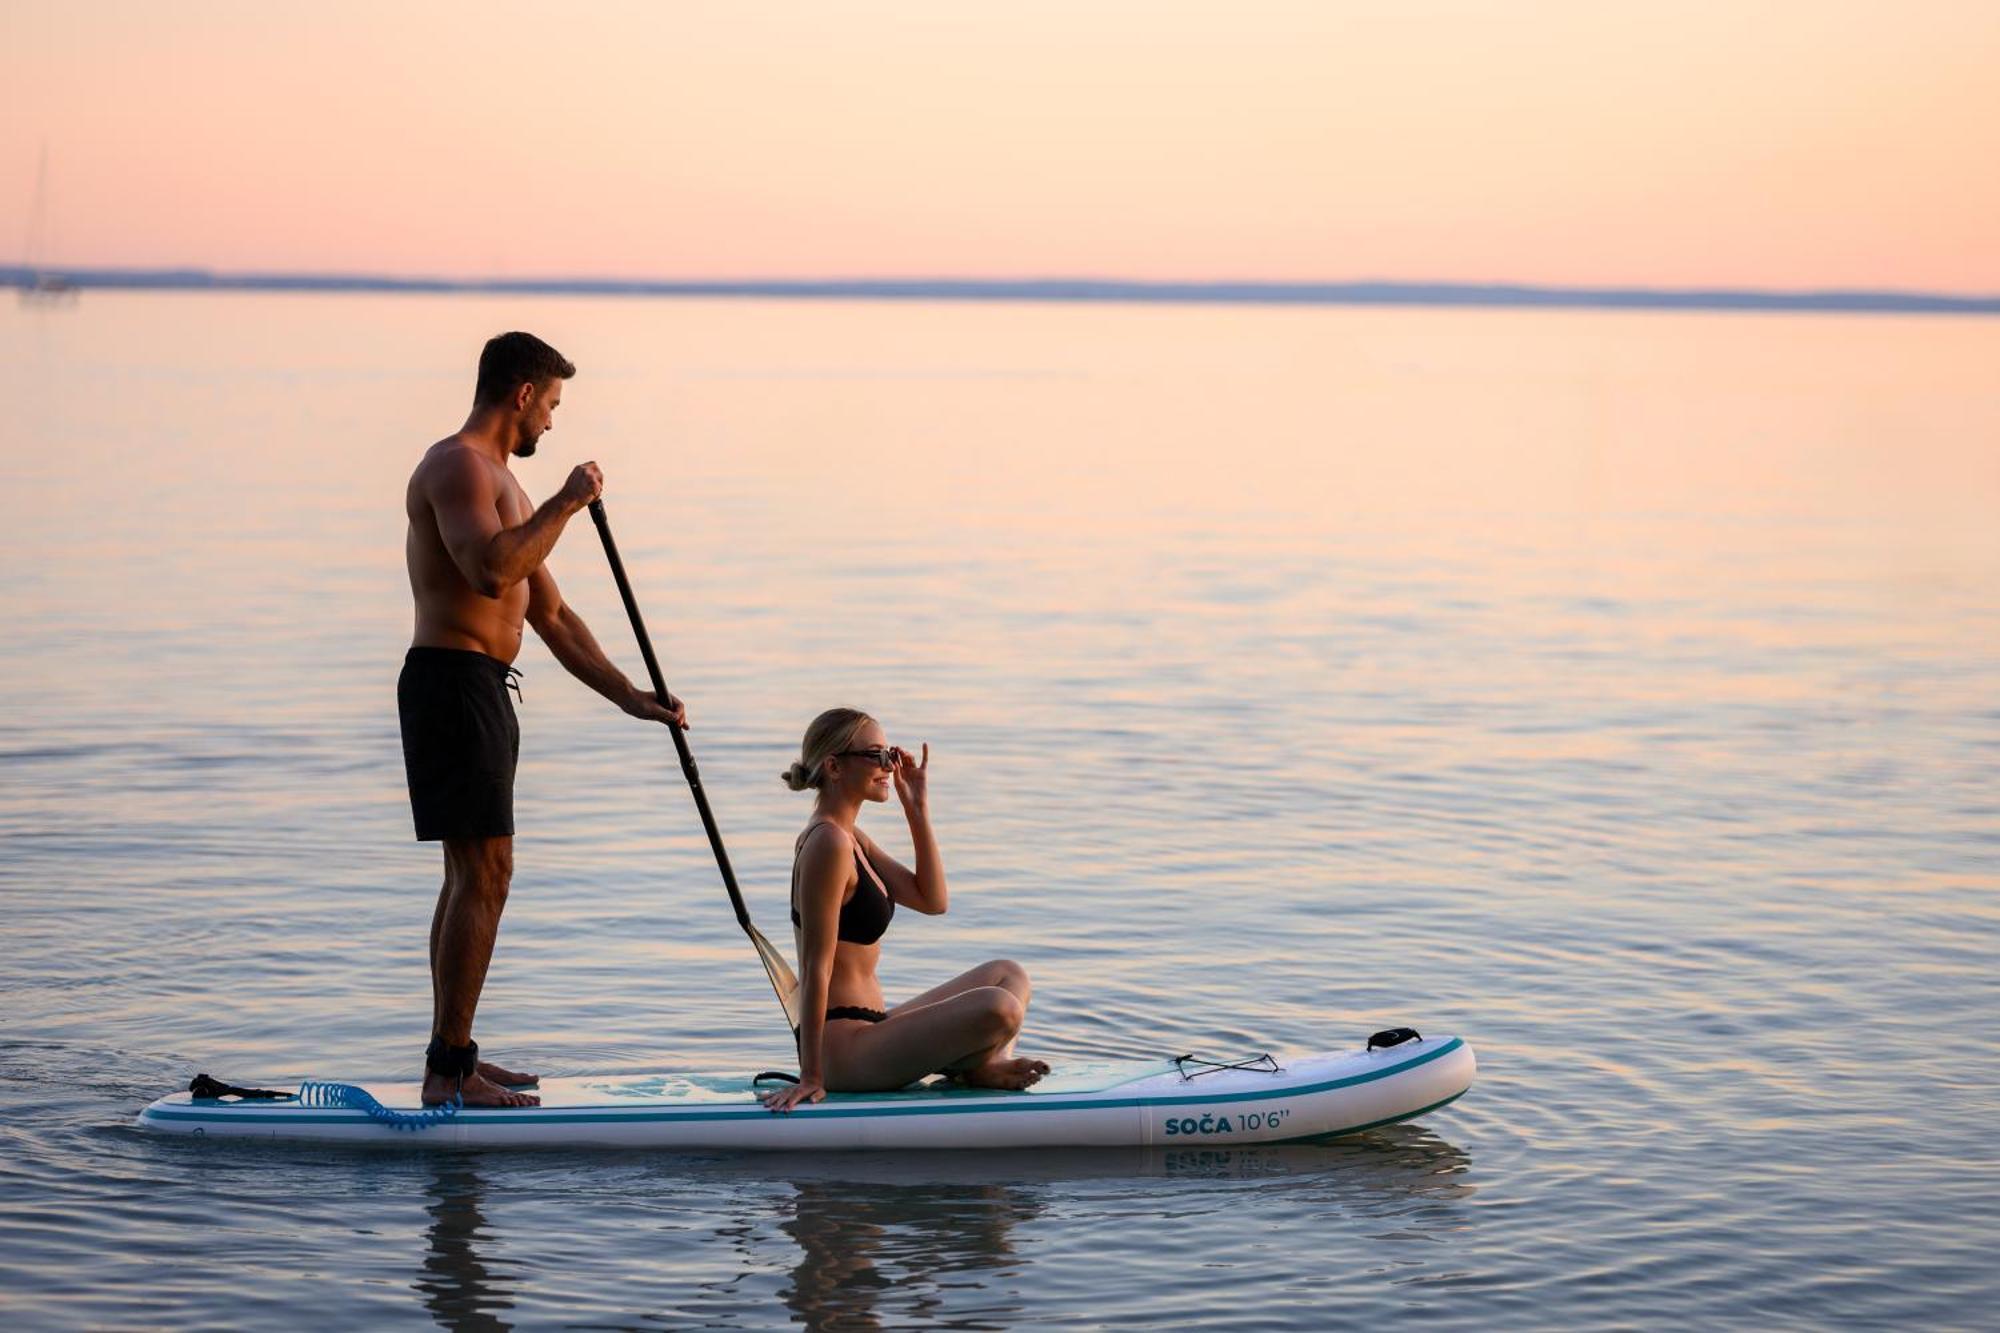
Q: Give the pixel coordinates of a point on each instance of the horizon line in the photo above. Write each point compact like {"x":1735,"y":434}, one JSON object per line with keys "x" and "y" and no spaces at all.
{"x":1261,"y":292}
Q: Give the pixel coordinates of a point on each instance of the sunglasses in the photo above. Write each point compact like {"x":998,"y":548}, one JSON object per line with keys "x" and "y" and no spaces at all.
{"x":878,"y":756}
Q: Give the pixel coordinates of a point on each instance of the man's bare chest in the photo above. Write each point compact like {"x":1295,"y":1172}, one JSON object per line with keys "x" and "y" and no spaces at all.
{"x":515,"y":507}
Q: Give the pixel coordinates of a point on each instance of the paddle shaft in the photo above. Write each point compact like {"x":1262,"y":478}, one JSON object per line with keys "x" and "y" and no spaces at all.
{"x":680,"y":738}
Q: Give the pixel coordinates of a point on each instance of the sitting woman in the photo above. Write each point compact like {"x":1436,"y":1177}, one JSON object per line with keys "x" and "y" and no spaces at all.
{"x":845,"y":889}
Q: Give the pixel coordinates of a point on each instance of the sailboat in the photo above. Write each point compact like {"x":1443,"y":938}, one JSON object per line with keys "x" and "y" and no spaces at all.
{"x":41,"y":285}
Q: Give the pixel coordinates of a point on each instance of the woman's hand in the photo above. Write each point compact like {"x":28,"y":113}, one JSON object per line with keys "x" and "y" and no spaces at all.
{"x":912,"y":777}
{"x":805,"y":1090}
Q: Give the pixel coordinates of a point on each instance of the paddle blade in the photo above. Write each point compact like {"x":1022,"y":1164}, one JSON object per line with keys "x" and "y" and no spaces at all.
{"x":783,"y":980}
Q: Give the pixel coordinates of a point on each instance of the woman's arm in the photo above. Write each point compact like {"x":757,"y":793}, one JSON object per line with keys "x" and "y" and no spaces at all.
{"x":923,"y":889}
{"x":824,"y":864}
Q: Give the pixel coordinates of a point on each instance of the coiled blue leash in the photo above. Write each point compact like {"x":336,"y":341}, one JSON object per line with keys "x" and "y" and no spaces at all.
{"x":347,"y":1097}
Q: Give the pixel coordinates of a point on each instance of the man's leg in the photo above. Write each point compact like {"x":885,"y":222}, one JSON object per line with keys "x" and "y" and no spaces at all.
{"x":506,"y":1078}
{"x":437,"y":929}
{"x":477,"y":874}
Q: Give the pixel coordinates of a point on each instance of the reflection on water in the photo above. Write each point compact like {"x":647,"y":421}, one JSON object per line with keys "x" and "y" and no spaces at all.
{"x":463,"y":1285}
{"x":938,"y":1239}
{"x":935,"y":1238}
{"x":856,"y":1243}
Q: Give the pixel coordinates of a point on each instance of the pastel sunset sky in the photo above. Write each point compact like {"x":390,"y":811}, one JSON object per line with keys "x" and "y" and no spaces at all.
{"x":1703,"y":142}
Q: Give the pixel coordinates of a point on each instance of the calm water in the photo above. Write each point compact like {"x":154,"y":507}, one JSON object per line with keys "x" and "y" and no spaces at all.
{"x":1621,"y":692}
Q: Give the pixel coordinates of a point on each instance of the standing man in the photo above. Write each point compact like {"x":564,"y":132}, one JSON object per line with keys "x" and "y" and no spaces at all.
{"x":475,"y":551}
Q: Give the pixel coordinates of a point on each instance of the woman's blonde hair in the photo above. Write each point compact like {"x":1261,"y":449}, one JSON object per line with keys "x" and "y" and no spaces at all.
{"x":830,"y":733}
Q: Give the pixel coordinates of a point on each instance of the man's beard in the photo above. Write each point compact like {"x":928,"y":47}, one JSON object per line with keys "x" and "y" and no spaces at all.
{"x":526,"y":446}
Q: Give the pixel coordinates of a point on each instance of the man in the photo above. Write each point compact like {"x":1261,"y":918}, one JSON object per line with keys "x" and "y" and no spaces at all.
{"x":475,"y":551}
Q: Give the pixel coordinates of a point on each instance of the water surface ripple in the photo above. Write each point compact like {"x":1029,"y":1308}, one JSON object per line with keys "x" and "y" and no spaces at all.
{"x":1614,"y":690}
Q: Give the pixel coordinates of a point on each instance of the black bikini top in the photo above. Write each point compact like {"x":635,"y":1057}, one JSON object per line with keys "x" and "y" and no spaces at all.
{"x":864,"y":917}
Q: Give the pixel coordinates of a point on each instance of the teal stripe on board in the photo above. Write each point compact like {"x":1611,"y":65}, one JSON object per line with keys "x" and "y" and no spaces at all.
{"x":1358,"y":1129}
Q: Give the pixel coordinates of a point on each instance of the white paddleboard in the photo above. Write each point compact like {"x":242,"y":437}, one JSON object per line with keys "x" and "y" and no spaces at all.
{"x":1131,"y":1104}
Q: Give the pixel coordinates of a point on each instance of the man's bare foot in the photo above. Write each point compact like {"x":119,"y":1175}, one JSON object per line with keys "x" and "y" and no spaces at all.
{"x":478,"y":1091}
{"x":506,"y":1078}
{"x":1014,"y":1073}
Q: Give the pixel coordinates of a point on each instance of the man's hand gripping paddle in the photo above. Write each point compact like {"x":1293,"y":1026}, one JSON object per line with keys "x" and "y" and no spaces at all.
{"x":783,"y":980}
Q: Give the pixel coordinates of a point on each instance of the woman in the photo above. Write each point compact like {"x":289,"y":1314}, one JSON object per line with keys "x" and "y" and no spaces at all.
{"x":845,"y":889}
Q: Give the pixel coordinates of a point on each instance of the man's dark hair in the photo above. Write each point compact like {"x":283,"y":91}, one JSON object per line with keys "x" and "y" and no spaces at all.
{"x":513,"y":359}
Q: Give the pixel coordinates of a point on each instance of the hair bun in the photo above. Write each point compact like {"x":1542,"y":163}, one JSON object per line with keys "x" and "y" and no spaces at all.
{"x":831,"y":733}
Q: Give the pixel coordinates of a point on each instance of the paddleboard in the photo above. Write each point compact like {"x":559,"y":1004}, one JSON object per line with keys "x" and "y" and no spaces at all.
{"x":1172,"y":1103}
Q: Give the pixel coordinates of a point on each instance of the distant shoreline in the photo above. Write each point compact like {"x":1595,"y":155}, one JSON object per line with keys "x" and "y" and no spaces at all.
{"x":1055,"y":289}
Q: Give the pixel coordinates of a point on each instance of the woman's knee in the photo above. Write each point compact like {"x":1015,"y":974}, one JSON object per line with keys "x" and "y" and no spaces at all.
{"x":1010,"y":975}
{"x":1001,"y":1012}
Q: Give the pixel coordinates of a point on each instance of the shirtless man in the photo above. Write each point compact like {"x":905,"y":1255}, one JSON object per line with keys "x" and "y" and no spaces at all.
{"x":475,"y":551}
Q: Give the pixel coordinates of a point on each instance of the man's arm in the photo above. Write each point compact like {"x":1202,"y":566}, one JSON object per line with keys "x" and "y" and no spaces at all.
{"x":464,"y":494}
{"x":563,"y":630}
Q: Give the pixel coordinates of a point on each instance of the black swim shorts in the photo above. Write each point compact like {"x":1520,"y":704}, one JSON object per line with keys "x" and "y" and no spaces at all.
{"x":461,"y":741}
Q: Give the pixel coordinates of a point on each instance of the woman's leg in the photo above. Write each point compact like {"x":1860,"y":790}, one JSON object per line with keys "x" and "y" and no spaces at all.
{"x":966,"y":1033}
{"x":1005,"y":973}
{"x":998,"y":1067}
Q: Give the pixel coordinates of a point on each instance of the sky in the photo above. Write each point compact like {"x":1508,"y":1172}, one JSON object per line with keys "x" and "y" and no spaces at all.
{"x":1781,"y":145}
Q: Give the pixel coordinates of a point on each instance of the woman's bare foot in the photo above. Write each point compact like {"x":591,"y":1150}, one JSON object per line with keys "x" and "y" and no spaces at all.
{"x":506,"y":1078}
{"x":1013,"y":1073}
{"x":478,"y":1090}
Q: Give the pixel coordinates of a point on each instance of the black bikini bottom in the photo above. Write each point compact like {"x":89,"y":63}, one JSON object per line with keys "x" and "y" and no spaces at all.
{"x":856,"y":1011}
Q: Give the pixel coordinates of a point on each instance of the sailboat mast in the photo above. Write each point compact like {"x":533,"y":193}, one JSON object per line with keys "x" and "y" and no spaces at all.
{"x":31,"y":254}
{"x":38,"y":284}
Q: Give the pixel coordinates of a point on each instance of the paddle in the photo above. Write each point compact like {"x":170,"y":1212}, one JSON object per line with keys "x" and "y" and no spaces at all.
{"x":783,"y":981}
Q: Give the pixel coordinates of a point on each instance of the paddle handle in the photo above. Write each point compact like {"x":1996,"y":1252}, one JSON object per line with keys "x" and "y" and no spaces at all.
{"x":688,"y":768}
